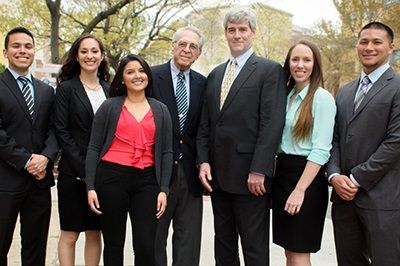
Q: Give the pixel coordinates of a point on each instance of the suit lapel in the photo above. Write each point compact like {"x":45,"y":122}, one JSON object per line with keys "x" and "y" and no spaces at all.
{"x":243,"y":75}
{"x":194,"y":96}
{"x":379,"y":85}
{"x":353,"y":86}
{"x":81,"y":94}
{"x":12,"y":85}
{"x":167,"y":92}
{"x":218,"y":85}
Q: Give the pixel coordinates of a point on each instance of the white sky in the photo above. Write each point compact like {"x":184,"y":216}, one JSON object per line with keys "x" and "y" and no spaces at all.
{"x":305,"y":12}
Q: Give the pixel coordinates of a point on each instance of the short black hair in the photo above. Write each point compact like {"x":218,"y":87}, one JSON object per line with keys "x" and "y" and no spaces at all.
{"x":117,"y":88}
{"x":380,"y":26}
{"x":17,"y":30}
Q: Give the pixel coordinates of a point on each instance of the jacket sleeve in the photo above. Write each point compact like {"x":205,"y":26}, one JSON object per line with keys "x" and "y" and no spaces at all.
{"x":167,"y":153}
{"x":64,"y":136}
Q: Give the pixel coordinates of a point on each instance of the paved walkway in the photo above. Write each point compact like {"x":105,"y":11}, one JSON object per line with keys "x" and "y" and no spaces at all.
{"x":325,"y":257}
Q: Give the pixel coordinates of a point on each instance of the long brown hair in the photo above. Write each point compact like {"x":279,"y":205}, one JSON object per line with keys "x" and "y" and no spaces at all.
{"x":304,"y":123}
{"x":71,"y":67}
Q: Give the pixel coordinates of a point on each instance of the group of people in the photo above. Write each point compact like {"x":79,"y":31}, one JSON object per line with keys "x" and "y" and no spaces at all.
{"x":253,"y":135}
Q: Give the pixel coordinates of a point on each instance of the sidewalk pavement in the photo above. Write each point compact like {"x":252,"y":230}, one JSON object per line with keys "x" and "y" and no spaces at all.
{"x":325,"y":257}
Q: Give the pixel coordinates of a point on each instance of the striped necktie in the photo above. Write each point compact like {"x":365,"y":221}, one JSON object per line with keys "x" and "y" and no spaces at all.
{"x":361,"y":92}
{"x":226,"y":84}
{"x":181,"y":100}
{"x":27,"y":93}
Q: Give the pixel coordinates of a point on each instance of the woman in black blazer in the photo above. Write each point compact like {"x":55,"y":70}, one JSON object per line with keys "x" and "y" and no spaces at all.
{"x":82,"y":87}
{"x":129,"y":163}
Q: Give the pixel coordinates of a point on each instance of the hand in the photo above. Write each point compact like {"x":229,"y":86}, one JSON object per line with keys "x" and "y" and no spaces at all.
{"x":93,"y":201}
{"x":41,"y":175}
{"x":344,"y":187}
{"x":205,"y":176}
{"x":294,"y":201}
{"x":161,"y":204}
{"x":255,"y":183}
{"x":37,"y":164}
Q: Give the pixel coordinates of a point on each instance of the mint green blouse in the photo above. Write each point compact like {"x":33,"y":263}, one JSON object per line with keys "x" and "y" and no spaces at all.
{"x":316,"y":148}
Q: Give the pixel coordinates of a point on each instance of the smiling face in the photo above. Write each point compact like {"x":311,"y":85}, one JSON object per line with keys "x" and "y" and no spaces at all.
{"x":89,"y":55}
{"x":374,"y":48}
{"x":135,"y":78}
{"x":20,"y":52}
{"x":239,"y":36}
{"x":301,"y":65}
{"x":186,"y":50}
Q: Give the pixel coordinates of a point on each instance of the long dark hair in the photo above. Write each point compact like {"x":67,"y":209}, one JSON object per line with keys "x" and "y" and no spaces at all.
{"x":118,"y":88}
{"x":71,"y":67}
{"x":304,"y":123}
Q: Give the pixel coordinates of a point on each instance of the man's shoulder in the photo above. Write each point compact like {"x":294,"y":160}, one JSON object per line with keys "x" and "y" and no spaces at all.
{"x":160,"y":68}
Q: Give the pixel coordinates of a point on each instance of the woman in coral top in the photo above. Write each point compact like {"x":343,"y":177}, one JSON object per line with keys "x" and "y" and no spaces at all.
{"x":129,"y":163}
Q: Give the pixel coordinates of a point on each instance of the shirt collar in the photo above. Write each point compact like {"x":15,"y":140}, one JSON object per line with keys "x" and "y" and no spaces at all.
{"x":242,"y":59}
{"x":302,"y":94}
{"x":376,"y":74}
{"x":175,"y":70}
{"x":16,"y":75}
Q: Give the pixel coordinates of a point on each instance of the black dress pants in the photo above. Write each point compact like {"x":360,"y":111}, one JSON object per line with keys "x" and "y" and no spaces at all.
{"x":122,"y":190}
{"x":246,"y":216}
{"x":34,"y":208}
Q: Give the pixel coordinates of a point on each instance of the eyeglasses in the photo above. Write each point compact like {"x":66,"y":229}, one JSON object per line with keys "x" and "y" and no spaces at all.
{"x":192,"y":47}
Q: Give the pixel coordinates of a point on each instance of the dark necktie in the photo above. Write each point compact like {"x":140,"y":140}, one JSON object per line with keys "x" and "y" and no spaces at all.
{"x":27,"y":93}
{"x":181,"y":100}
{"x":361,"y":92}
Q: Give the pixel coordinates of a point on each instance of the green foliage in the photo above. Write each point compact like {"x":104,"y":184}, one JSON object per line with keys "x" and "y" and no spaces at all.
{"x":2,"y":68}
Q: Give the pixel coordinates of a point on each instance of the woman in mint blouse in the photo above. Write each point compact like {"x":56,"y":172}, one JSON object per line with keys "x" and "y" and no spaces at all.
{"x":300,"y":190}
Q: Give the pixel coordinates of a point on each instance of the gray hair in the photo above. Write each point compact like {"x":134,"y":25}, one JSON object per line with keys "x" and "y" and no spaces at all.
{"x":178,"y":34}
{"x":237,"y":14}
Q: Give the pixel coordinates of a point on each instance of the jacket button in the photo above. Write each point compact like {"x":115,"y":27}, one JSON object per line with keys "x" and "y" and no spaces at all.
{"x":176,"y":162}
{"x":180,"y":141}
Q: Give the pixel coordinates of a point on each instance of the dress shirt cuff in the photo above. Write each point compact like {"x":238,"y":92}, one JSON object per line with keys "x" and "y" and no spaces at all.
{"x":330,"y":177}
{"x":27,"y":162}
{"x":354,"y":181}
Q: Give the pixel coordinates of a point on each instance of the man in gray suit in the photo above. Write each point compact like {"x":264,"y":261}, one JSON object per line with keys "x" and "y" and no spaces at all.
{"x":185,"y":201}
{"x":364,"y":168}
{"x":240,"y":129}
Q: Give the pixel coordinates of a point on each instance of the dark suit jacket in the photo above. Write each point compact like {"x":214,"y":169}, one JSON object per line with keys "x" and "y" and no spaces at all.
{"x":367,"y":143}
{"x":163,"y":90}
{"x":20,"y":136}
{"x":73,"y":124}
{"x":244,"y":135}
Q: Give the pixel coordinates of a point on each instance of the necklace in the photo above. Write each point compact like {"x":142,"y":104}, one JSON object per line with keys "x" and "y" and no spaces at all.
{"x":92,"y":88}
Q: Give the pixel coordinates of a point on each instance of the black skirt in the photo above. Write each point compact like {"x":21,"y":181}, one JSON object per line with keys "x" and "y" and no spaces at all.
{"x":73,"y":208}
{"x":301,"y":232}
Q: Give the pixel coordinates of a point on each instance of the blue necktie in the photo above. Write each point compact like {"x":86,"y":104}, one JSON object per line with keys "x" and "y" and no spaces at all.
{"x":181,"y":100}
{"x":27,"y":93}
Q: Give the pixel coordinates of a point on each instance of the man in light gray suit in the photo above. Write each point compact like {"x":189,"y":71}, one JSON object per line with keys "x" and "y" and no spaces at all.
{"x":240,"y":130}
{"x":364,"y":168}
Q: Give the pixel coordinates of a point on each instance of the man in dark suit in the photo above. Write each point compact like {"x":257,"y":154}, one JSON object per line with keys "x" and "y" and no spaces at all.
{"x":364,"y":168}
{"x":240,"y":129}
{"x":27,"y":149}
{"x":185,"y":203}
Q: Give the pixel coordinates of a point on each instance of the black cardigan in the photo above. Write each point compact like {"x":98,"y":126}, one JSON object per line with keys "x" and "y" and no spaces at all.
{"x":104,"y":125}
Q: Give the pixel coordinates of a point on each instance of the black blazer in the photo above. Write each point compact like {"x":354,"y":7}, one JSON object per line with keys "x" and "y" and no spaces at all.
{"x":244,"y":135}
{"x":185,"y":143}
{"x":20,"y":136}
{"x":366,"y":143}
{"x":73,"y":124}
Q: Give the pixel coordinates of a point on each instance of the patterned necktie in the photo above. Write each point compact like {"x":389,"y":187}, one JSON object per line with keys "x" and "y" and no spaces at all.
{"x":27,"y":93}
{"x":181,"y":100}
{"x":361,"y":92}
{"x":226,"y":85}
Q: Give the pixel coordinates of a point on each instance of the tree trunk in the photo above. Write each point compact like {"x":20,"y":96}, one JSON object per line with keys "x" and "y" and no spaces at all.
{"x":54,"y":8}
